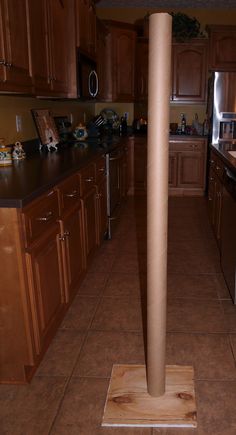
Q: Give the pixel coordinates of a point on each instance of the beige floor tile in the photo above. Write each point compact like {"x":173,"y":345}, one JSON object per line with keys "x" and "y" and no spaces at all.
{"x":82,"y":410}
{"x":93,"y":284}
{"x":125,"y":284}
{"x":62,"y":354}
{"x":192,"y":315}
{"x":118,"y":314}
{"x":193,"y":286}
{"x":229,"y":315}
{"x":30,"y":409}
{"x":216,"y":404}
{"x":102,"y":349}
{"x":80,"y":313}
{"x":209,"y":354}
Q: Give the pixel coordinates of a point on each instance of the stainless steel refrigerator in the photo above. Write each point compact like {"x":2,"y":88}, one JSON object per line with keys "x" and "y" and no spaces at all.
{"x":221,"y":107}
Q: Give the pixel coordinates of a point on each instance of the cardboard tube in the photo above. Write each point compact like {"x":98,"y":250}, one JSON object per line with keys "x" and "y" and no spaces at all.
{"x":157,"y":197}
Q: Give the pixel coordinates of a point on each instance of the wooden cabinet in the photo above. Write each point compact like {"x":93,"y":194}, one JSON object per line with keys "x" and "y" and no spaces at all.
{"x":101,"y":200}
{"x":138,"y":165}
{"x":141,"y":73}
{"x":88,"y":199}
{"x":53,"y":54}
{"x":14,"y":47}
{"x":44,"y":266}
{"x":189,"y":65}
{"x":187,"y":166}
{"x":215,"y":192}
{"x":72,"y":238}
{"x":102,"y":70}
{"x":86,"y":27}
{"x":120,"y":63}
{"x":222,"y":50}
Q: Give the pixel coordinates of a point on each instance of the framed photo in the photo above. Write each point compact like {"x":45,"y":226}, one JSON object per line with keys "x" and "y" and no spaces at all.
{"x":46,"y":127}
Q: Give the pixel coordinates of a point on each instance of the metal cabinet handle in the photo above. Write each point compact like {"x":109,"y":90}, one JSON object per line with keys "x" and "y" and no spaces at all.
{"x":101,"y":169}
{"x":72,"y":194}
{"x":66,"y":233}
{"x":89,"y":180}
{"x":62,"y":238}
{"x":8,"y":64}
{"x":45,"y":218}
{"x":2,"y":62}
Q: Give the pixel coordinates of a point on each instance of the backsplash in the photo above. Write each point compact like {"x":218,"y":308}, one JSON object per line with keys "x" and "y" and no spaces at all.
{"x":10,"y":106}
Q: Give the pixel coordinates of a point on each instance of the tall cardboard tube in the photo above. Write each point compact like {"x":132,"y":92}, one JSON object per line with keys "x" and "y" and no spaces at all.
{"x":157,"y":197}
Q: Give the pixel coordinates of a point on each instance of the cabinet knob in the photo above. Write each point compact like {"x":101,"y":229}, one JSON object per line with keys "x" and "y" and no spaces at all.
{"x":62,"y":238}
{"x":89,"y":180}
{"x":46,"y":217}
{"x":73,"y":194}
{"x":66,"y":233}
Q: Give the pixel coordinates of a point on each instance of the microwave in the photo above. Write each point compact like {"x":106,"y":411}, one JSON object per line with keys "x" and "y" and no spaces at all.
{"x":87,"y":78}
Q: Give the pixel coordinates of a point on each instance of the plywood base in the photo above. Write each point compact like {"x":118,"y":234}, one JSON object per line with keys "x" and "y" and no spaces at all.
{"x":129,"y":404}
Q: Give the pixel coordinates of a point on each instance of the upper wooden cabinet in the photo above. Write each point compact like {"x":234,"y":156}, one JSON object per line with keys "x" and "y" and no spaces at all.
{"x":52,"y":33}
{"x":141,"y":61}
{"x":120,"y":61}
{"x":14,"y":47}
{"x":86,"y":26}
{"x":222,"y":48}
{"x":102,"y":33}
{"x":189,"y":63}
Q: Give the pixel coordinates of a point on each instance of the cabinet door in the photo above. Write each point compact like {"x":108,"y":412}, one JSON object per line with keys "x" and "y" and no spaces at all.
{"x":102,"y":60}
{"x":73,"y":250}
{"x":89,"y":223}
{"x":86,"y":26}
{"x":141,"y":63}
{"x":46,"y":290}
{"x":191,"y":171}
{"x":173,"y":169}
{"x":39,"y":46}
{"x":222,"y":49}
{"x":123,"y":64}
{"x":140,"y":168}
{"x":59,"y":38}
{"x":189,"y":72}
{"x":217,"y":209}
{"x":15,"y":66}
{"x":101,"y":207}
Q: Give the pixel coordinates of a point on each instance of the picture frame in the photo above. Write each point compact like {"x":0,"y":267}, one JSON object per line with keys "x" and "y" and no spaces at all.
{"x":46,"y":127}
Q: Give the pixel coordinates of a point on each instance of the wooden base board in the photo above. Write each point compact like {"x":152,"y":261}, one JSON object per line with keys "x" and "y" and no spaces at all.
{"x":129,"y":404}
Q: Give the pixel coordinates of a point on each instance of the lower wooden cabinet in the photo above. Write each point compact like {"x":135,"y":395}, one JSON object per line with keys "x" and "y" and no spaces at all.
{"x":46,"y":289}
{"x":215,"y":192}
{"x":89,"y":224}
{"x":101,"y":210}
{"x":187,"y":166}
{"x":72,"y":244}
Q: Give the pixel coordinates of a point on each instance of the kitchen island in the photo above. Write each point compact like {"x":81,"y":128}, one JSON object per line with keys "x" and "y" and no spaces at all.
{"x":53,"y":217}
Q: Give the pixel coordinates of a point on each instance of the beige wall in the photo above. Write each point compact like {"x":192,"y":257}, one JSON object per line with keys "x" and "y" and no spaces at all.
{"x":10,"y":106}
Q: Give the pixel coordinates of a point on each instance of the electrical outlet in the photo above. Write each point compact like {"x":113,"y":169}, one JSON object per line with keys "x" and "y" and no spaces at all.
{"x":18,"y":123}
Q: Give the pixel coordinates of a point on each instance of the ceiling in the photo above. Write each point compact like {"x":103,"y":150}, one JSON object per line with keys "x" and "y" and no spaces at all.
{"x":178,"y":4}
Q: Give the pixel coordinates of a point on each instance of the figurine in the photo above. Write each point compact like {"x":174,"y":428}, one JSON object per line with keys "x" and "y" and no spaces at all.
{"x":50,"y":138}
{"x":18,"y":152}
{"x":5,"y":154}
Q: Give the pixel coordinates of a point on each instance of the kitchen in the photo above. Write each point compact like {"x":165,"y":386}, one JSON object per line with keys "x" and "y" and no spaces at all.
{"x":124,"y":224}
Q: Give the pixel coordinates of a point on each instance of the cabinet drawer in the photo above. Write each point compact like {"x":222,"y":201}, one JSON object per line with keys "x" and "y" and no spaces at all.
{"x":40,"y":215}
{"x":100,"y":168}
{"x":187,"y":146}
{"x":87,"y":179}
{"x":69,"y":193}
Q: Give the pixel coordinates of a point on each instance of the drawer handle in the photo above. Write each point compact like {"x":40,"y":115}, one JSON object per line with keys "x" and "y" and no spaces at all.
{"x":89,"y":180}
{"x":72,"y":194}
{"x":45,"y":218}
{"x":101,"y":169}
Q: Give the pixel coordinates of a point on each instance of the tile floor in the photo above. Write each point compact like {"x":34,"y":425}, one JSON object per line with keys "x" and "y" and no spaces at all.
{"x":105,"y":325}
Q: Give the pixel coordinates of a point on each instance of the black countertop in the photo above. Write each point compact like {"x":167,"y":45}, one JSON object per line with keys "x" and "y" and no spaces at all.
{"x":222,"y":149}
{"x":24,"y":180}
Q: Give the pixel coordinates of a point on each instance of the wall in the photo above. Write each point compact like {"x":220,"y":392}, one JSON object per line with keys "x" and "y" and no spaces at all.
{"x":10,"y":106}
